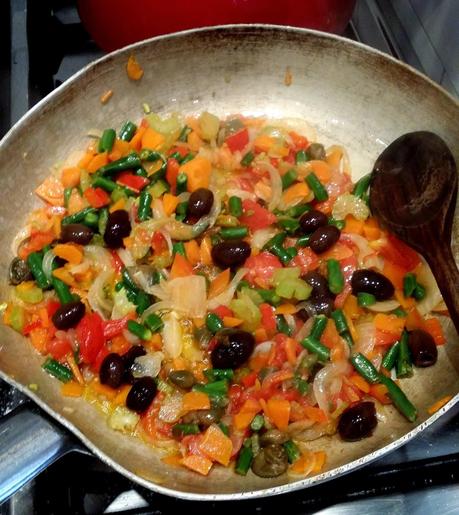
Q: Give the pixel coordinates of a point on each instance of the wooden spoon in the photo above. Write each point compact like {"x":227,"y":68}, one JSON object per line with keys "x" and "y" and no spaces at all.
{"x":413,"y":194}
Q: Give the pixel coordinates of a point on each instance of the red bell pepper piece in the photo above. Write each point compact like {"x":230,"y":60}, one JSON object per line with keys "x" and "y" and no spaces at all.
{"x":132,"y":181}
{"x":399,"y":253}
{"x":118,"y":264}
{"x":238,"y":141}
{"x":90,"y":334}
{"x":268,"y":318}
{"x":114,"y":327}
{"x":101,"y":355}
{"x":172,"y":172}
{"x":223,"y":311}
{"x":249,"y":379}
{"x":97,"y":197}
{"x":260,"y":269}
{"x":256,"y":217}
{"x":158,"y":243}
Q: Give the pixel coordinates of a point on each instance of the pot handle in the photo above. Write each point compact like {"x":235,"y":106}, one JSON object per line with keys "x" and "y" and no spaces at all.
{"x":29,"y":442}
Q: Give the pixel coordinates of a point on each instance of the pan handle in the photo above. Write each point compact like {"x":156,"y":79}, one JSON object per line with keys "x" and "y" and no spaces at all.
{"x":28,"y":444}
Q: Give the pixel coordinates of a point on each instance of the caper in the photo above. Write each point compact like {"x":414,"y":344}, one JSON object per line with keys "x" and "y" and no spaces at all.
{"x":271,"y":461}
{"x":273,"y":436}
{"x":182,"y":378}
{"x":19,"y":271}
{"x":203,"y":417}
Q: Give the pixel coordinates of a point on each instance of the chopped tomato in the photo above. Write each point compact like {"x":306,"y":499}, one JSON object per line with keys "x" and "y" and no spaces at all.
{"x":256,"y":217}
{"x":235,"y":398}
{"x":181,"y":150}
{"x":223,"y":311}
{"x":158,"y":243}
{"x":31,"y":326}
{"x":172,"y":172}
{"x":118,"y":264}
{"x":97,"y":197}
{"x":132,"y":181}
{"x":399,"y":253}
{"x":238,"y":141}
{"x":52,"y":306}
{"x":268,"y":319}
{"x":58,"y":348}
{"x":306,"y":259}
{"x":90,"y":334}
{"x":299,"y":142}
{"x":101,"y":355}
{"x":261,"y":269}
{"x":249,"y":379}
{"x":383,"y":338}
{"x":114,"y":327}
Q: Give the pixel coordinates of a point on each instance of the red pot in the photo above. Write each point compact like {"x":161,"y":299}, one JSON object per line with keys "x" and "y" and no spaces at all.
{"x":116,"y":23}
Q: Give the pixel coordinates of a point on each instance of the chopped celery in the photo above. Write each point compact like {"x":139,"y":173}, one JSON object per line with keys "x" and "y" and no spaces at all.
{"x":17,"y":318}
{"x":245,"y":309}
{"x":158,"y":189}
{"x":209,"y":125}
{"x":29,"y":292}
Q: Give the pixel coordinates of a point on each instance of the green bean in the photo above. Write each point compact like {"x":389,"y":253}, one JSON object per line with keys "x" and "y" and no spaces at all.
{"x":300,"y":384}
{"x":297,"y":211}
{"x":361,"y":186}
{"x":125,"y":163}
{"x":214,"y":323}
{"x":139,"y":330}
{"x":216,"y":374}
{"x":289,"y":178}
{"x":282,"y":326}
{"x":141,"y":171}
{"x":181,"y":211}
{"x":77,"y":217}
{"x":216,"y":388}
{"x":337,"y":223}
{"x":186,"y":158}
{"x":320,"y":193}
{"x":419,"y":292}
{"x":409,"y":284}
{"x":182,"y":180}
{"x":178,"y":248}
{"x":404,"y":364}
{"x":247,"y":159}
{"x":244,"y":461}
{"x":303,"y":241}
{"x":257,"y":422}
{"x":103,"y":218}
{"x":290,"y":225}
{"x":365,"y":299}
{"x":154,"y":322}
{"x":269,"y":296}
{"x":128,"y":281}
{"x":142,"y":301}
{"x":35,"y":263}
{"x":313,"y":345}
{"x":400,"y":400}
{"x":127,"y":131}
{"x":179,"y":430}
{"x":57,"y":370}
{"x":175,"y":155}
{"x":335,"y":276}
{"x":62,"y":290}
{"x":274,"y":245}
{"x":91,"y":219}
{"x":104,"y":183}
{"x":183,"y":136}
{"x":365,"y":368}
{"x":234,"y":233}
{"x":318,"y":326}
{"x":293,"y":453}
{"x":390,"y":358}
{"x":399,"y":312}
{"x":67,"y":195}
{"x":224,"y":428}
{"x":107,"y":140}
{"x":235,"y":206}
{"x":301,"y":157}
{"x":340,"y":321}
{"x":144,"y":211}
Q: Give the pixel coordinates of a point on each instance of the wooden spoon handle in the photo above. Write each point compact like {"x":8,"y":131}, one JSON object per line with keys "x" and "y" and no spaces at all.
{"x":443,"y":265}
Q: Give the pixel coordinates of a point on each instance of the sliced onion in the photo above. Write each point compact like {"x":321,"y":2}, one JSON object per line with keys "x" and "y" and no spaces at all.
{"x":147,"y":365}
{"x":163,"y":305}
{"x":126,"y":257}
{"x":263,"y":348}
{"x":172,"y":335}
{"x":297,"y":125}
{"x":123,"y":419}
{"x":171,"y":408}
{"x":80,"y":268}
{"x":290,"y":322}
{"x":433,"y":296}
{"x":96,"y":294}
{"x":384,"y":306}
{"x":361,"y":243}
{"x":183,"y":197}
{"x":242,"y":194}
{"x":349,"y":204}
{"x":168,"y":239}
{"x":324,"y":379}
{"x":99,"y":256}
{"x":262,"y":236}
{"x":131,"y":338}
{"x":305,"y":329}
{"x":157,"y":208}
{"x":224,"y":298}
{"x":365,"y":340}
{"x":47,"y":264}
{"x":188,"y":295}
{"x":276,"y":183}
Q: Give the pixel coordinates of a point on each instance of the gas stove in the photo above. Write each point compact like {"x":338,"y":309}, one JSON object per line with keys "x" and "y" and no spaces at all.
{"x":419,"y":478}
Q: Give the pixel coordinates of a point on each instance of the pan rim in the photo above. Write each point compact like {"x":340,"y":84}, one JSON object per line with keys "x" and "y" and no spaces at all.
{"x":277,"y":490}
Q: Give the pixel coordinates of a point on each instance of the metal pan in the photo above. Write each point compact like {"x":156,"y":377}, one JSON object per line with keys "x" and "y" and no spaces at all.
{"x":352,"y":94}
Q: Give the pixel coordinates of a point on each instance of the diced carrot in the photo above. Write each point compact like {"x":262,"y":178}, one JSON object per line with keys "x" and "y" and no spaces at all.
{"x":194,"y":141}
{"x":152,"y":139}
{"x":216,"y":445}
{"x":334,"y":157}
{"x":44,"y":318}
{"x":136,"y":140}
{"x":64,"y":275}
{"x":70,"y":177}
{"x":379,"y":392}
{"x":180,"y":267}
{"x":394,"y":273}
{"x":122,"y":147}
{"x":119,"y":204}
{"x":72,"y":389}
{"x":353,"y":225}
{"x":97,"y":162}
{"x":121,"y":396}
{"x":205,"y":251}
{"x":74,"y":368}
{"x":195,"y":401}
{"x":259,"y":361}
{"x":170,"y":202}
{"x":70,"y":252}
{"x":414,"y":320}
{"x":319,"y":463}
{"x":51,"y":190}
{"x":260,"y":335}
{"x":76,"y":202}
{"x":434,"y":328}
{"x":174,"y":460}
{"x":285,"y":309}
{"x":371,"y":229}
{"x":264,"y":143}
{"x":405,"y":302}
{"x":39,"y":338}
{"x":276,"y":377}
{"x":179,"y":363}
{"x":220,"y":283}
{"x":351,"y":308}
{"x":300,"y":190}
{"x":279,"y":412}
{"x":197,"y":464}
{"x":242,"y":420}
{"x":198,"y":173}
{"x":133,"y":69}
{"x":199,"y":322}
{"x":299,"y":141}
{"x":155,"y":342}
{"x":321,"y":169}
{"x":119,"y":344}
{"x":101,"y":389}
{"x":389,"y":323}
{"x":106,"y":96}
{"x":85,"y":160}
{"x":232,"y":321}
{"x":304,"y":464}
{"x":315,"y":414}
{"x":290,"y":350}
{"x":439,"y":404}
{"x":57,"y":225}
{"x":360,"y":382}
{"x":192,"y":252}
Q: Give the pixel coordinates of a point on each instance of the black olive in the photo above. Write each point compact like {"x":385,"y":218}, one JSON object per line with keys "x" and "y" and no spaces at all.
{"x":423,"y":349}
{"x":272,"y":437}
{"x":182,"y":378}
{"x":229,"y":254}
{"x":233,"y":348}
{"x":112,"y":370}
{"x":141,"y":394}
{"x":68,"y":315}
{"x":316,"y":151}
{"x":76,"y":233}
{"x":271,"y":461}
{"x":370,"y":281}
{"x":322,"y":305}
{"x":319,"y":284}
{"x":118,"y":227}
{"x":312,"y":220}
{"x":358,"y":421}
{"x":200,"y":202}
{"x":128,"y":358}
{"x":19,"y":271}
{"x":203,"y":417}
{"x":324,"y":238}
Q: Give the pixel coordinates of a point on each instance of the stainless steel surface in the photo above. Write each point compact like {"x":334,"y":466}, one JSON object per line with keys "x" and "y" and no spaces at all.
{"x":351,"y":94}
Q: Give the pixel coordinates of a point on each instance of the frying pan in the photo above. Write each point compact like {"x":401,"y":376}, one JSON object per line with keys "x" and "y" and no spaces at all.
{"x":352,"y":94}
